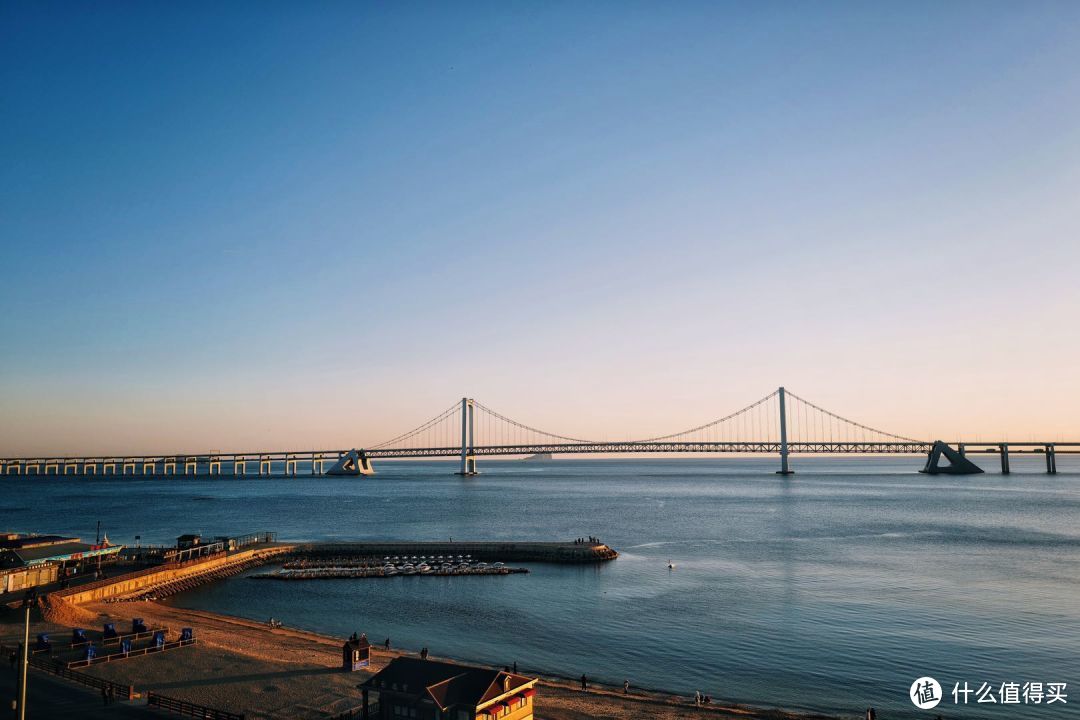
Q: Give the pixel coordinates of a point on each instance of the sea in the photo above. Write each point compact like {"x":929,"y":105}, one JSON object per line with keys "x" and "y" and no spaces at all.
{"x":830,"y":590}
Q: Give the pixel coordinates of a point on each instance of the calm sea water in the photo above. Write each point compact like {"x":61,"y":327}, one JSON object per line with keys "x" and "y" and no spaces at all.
{"x":830,"y":591}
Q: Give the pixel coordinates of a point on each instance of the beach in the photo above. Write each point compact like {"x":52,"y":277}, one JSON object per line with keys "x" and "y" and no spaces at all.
{"x":246,"y":667}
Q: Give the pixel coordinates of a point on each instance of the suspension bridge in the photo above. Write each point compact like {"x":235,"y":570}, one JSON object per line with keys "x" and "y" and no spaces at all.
{"x":781,"y":424}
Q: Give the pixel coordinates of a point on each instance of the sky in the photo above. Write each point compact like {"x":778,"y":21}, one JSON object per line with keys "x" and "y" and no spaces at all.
{"x":278,"y":225}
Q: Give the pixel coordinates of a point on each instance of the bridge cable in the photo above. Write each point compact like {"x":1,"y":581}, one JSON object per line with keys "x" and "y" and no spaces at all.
{"x":860,"y":426}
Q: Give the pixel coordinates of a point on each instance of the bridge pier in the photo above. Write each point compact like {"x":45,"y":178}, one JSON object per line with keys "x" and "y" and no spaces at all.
{"x":1051,"y":460}
{"x":1004,"y":449}
{"x":354,"y":462}
{"x":468,"y":439}
{"x":784,"y":469}
{"x":958,"y":464}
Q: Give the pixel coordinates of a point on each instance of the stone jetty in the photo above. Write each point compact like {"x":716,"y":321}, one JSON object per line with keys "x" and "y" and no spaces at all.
{"x":488,"y":551}
{"x":169,"y":578}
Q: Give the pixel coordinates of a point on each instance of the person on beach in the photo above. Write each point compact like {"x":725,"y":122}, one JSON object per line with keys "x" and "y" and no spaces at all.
{"x":386,"y":645}
{"x":697,"y":697}
{"x":625,"y":687}
{"x":871,"y":713}
{"x":515,"y":667}
{"x":584,"y":683}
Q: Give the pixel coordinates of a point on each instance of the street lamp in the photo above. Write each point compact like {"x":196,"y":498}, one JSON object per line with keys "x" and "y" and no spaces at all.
{"x":28,"y":602}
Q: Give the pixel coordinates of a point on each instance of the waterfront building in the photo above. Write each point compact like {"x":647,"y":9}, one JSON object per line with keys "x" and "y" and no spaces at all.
{"x":16,"y":579}
{"x":38,"y":559}
{"x":187,"y":541}
{"x":431,"y":690}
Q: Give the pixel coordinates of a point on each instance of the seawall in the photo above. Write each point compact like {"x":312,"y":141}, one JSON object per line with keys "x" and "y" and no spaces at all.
{"x":149,"y":578}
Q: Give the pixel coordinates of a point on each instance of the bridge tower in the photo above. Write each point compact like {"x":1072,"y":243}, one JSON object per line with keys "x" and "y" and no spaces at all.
{"x":784,"y":469}
{"x":468,"y":439}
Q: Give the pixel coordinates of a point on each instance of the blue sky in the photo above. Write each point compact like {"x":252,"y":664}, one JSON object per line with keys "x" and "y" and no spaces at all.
{"x":275,"y":224}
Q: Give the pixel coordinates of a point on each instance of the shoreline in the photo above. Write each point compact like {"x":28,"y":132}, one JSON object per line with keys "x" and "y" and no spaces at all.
{"x":284,"y":648}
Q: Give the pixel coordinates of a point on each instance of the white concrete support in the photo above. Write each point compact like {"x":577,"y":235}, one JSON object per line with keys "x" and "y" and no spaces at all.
{"x":90,"y":469}
{"x":239,"y":467}
{"x":215,"y":467}
{"x":73,"y":467}
{"x":54,"y":467}
{"x":468,"y":438}
{"x":191,"y":465}
{"x":149,"y":468}
{"x":354,"y":462}
{"x":464,"y":436}
{"x":171,"y":465}
{"x":108,"y":468}
{"x":264,"y":467}
{"x":290,"y":467}
{"x":126,"y":465}
{"x":472,"y":437}
{"x":784,"y":469}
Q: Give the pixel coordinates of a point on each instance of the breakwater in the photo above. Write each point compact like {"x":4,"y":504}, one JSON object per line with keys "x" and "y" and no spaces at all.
{"x":488,"y":551}
{"x":170,"y":578}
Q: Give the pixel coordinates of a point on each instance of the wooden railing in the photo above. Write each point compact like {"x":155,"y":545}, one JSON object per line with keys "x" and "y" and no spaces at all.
{"x":182,"y":707}
{"x":149,"y":650}
{"x":58,"y":668}
{"x":116,"y":640}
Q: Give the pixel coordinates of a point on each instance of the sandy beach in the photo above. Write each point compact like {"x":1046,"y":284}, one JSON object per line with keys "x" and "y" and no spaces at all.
{"x":272,"y":674}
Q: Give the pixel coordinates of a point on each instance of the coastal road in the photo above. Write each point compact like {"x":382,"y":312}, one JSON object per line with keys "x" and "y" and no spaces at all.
{"x":50,"y":697}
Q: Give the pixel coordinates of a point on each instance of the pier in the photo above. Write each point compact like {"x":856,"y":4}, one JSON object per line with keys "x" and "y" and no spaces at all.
{"x":487,"y":551}
{"x":173,"y":577}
